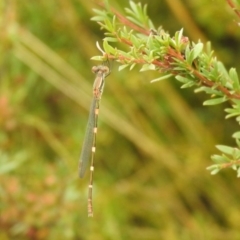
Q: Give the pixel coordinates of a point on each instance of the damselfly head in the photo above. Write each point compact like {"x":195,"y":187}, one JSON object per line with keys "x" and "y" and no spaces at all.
{"x":101,"y":69}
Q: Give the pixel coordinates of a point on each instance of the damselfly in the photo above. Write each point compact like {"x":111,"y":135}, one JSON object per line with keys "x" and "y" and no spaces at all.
{"x":89,"y":143}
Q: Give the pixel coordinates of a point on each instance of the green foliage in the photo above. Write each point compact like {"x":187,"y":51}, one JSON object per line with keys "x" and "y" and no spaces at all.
{"x":172,"y":56}
{"x":153,"y":143}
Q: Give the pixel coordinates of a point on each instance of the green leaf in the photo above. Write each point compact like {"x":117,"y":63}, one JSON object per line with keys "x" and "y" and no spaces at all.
{"x":182,"y":79}
{"x":192,"y":54}
{"x":100,"y":12}
{"x":214,"y":169}
{"x":207,"y":90}
{"x":197,"y":50}
{"x":215,"y":101}
{"x":225,"y":149}
{"x":134,"y":20}
{"x":134,"y":7}
{"x":135,"y":41}
{"x":132,"y":66}
{"x":172,"y":42}
{"x":234,"y":167}
{"x":178,"y":38}
{"x":236,"y":135}
{"x":238,"y":142}
{"x":188,"y":84}
{"x":234,"y":77}
{"x":98,"y":18}
{"x":97,"y":58}
{"x":233,"y":114}
{"x":208,"y":48}
{"x":201,"y":89}
{"x":110,"y":39}
{"x":107,"y":5}
{"x":135,"y":12}
{"x":108,"y":48}
{"x":161,"y":78}
{"x":220,"y":158}
{"x":109,"y":25}
{"x":147,"y":67}
{"x":120,"y":68}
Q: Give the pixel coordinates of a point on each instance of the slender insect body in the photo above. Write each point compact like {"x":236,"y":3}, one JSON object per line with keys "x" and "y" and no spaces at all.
{"x":89,"y":144}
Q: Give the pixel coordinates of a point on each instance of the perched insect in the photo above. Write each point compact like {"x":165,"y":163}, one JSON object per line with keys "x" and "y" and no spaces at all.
{"x":89,"y":143}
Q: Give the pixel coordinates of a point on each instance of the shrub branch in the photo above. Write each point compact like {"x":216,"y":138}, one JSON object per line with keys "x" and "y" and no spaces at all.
{"x":132,"y":39}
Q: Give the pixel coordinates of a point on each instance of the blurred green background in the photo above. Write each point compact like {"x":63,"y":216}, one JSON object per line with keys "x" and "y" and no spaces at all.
{"x":154,"y":140}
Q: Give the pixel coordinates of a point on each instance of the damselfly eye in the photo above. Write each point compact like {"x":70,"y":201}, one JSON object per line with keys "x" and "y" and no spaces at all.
{"x":95,"y":69}
{"x":105,"y":69}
